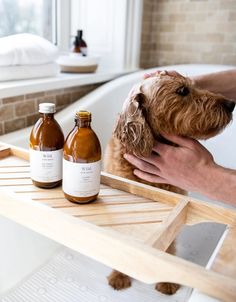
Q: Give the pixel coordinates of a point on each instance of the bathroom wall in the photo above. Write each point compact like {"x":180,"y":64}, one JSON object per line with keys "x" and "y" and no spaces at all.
{"x":22,"y":111}
{"x":188,"y":31}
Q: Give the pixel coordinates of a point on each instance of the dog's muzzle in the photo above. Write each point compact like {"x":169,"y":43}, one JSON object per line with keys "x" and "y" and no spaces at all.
{"x":228,"y":105}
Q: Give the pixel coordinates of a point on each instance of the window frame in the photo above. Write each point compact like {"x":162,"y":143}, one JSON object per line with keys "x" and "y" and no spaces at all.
{"x":133,"y":34}
{"x":52,"y":29}
{"x":132,"y":38}
{"x":63,"y":28}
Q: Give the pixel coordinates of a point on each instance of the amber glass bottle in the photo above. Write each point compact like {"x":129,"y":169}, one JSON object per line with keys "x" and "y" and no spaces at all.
{"x":46,"y":148}
{"x":81,"y":161}
{"x":80,"y":45}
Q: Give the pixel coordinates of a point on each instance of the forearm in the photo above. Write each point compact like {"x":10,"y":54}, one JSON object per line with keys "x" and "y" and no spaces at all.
{"x":189,"y":166}
{"x":219,"y":184}
{"x":223,"y":82}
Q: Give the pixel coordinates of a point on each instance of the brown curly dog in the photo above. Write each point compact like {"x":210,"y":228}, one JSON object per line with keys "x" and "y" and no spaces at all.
{"x":170,"y":103}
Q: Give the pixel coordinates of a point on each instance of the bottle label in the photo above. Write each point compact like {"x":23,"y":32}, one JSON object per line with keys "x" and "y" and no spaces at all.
{"x":84,"y":51}
{"x":81,"y":180}
{"x":46,"y":166}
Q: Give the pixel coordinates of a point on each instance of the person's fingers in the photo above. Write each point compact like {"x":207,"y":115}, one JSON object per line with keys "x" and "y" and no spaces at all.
{"x":152,"y":159}
{"x":164,"y":72}
{"x":149,"y":177}
{"x":141,"y":164}
{"x":161,"y":148}
{"x":147,"y":75}
{"x":172,"y":73}
{"x":181,"y":140}
{"x":152,"y":74}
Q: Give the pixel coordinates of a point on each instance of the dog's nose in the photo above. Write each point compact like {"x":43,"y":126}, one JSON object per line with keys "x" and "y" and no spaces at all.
{"x":228,"y":105}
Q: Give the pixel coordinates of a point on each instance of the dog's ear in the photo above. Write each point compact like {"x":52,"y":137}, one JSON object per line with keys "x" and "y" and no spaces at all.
{"x":132,"y":128}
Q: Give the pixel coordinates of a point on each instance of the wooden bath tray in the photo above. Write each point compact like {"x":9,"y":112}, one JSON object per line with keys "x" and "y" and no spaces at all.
{"x":128,"y":228}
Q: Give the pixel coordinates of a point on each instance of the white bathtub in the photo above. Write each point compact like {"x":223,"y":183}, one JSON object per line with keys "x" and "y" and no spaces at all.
{"x":23,"y":251}
{"x":106,"y":102}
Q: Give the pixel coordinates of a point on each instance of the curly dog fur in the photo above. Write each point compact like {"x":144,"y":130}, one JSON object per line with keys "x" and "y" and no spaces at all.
{"x":162,"y":103}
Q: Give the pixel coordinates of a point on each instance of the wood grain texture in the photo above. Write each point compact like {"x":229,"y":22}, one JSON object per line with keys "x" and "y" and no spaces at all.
{"x":138,"y":260}
{"x":170,"y":227}
{"x":4,"y":151}
{"x":225,"y":261}
{"x":122,"y":227}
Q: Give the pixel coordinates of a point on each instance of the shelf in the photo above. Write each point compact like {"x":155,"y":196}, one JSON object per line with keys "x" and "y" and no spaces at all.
{"x":63,"y":80}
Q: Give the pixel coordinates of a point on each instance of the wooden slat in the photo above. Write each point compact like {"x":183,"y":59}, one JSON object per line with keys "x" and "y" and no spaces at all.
{"x":124,"y":218}
{"x":51,"y":195}
{"x":140,"y":189}
{"x":62,"y":202}
{"x":170,"y":227}
{"x":128,"y":198}
{"x":55,"y":203}
{"x":113,"y":192}
{"x":102,"y":243}
{"x":196,"y":212}
{"x":15,"y":182}
{"x":134,"y":259}
{"x":139,"y":232}
{"x":102,"y":186}
{"x":19,"y":152}
{"x":14,"y":175}
{"x":41,"y":194}
{"x":32,"y":189}
{"x":97,"y":209}
{"x":226,"y":255}
{"x":10,"y":170}
{"x":4,"y":151}
{"x":199,"y":211}
{"x":13,"y":161}
{"x":105,"y":200}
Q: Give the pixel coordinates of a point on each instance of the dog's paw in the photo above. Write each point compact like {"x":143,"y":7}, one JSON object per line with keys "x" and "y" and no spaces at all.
{"x":118,"y":280}
{"x":167,"y":288}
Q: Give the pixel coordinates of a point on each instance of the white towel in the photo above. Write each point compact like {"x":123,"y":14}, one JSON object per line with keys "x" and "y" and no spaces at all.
{"x":26,"y":49}
{"x":20,"y":72}
{"x":71,"y":277}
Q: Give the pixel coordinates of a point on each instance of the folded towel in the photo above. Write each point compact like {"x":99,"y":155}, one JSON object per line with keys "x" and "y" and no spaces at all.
{"x":21,"y":72}
{"x":26,"y":49}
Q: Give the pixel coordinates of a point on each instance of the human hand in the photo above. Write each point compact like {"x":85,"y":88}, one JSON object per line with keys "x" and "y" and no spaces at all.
{"x":186,"y":166}
{"x":156,"y":73}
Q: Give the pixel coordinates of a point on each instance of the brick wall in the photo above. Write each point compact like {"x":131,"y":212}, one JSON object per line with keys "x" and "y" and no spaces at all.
{"x":188,"y":31}
{"x":173,"y":32}
{"x":22,"y":111}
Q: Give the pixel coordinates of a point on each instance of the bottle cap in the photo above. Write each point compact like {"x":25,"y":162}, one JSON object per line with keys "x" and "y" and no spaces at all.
{"x":83,"y":114}
{"x":47,"y":108}
{"x":79,"y":33}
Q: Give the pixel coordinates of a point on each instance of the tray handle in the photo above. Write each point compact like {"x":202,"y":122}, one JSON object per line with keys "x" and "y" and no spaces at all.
{"x":4,"y":151}
{"x":170,"y":227}
{"x":7,"y":149}
{"x":225,"y":260}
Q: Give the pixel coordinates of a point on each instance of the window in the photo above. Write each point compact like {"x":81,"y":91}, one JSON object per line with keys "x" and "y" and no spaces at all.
{"x":31,"y":16}
{"x":112,"y":29}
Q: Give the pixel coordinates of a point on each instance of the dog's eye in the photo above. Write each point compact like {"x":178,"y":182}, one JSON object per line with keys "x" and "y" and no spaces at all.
{"x":183,"y":91}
